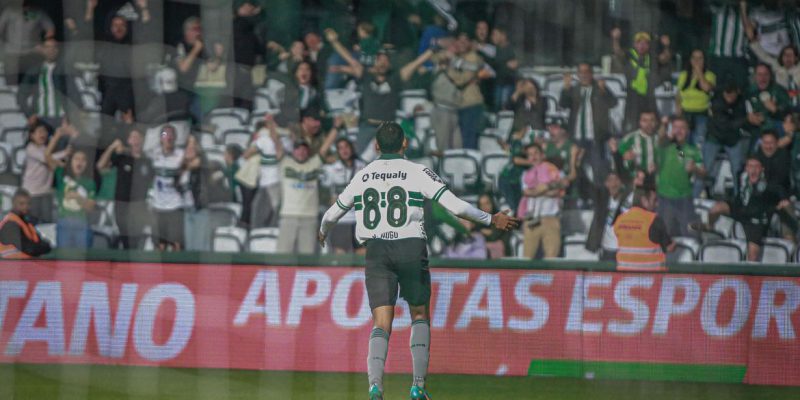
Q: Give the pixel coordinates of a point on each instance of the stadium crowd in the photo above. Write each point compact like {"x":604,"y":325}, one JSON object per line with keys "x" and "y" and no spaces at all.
{"x":238,"y":140}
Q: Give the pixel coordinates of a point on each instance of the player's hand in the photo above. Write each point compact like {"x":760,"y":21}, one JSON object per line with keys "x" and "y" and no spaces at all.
{"x":321,"y":239}
{"x":504,"y":221}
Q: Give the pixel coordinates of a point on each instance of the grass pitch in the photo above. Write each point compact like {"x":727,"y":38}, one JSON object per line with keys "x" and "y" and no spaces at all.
{"x":29,"y":381}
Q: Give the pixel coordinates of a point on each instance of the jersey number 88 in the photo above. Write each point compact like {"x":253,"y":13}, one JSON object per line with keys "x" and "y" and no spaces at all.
{"x":396,"y":207}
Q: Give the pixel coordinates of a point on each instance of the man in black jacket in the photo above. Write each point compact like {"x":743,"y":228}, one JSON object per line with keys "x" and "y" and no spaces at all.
{"x":727,"y":117}
{"x":18,"y":238}
{"x":752,"y":206}
{"x":610,"y":201}
{"x":590,"y":103}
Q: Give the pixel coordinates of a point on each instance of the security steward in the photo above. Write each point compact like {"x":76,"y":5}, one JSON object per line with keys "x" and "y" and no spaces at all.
{"x":642,"y":235}
{"x":18,"y":237}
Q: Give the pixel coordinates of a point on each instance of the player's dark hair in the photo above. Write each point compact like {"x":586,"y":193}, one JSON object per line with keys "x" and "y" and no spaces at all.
{"x":390,"y":137}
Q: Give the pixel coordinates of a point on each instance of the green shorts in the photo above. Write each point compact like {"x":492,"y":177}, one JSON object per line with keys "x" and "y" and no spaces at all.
{"x":402,"y":262}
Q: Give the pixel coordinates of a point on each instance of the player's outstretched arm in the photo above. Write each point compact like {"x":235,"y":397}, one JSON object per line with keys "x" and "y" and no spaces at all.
{"x":331,"y":217}
{"x":462,"y":209}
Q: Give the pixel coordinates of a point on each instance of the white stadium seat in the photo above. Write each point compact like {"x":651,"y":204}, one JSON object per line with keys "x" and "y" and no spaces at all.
{"x":409,"y":99}
{"x":488,"y":144}
{"x":14,"y":137}
{"x":686,"y":249}
{"x":236,"y":136}
{"x":491,"y":166}
{"x":242,"y":113}
{"x":461,"y":169}
{"x":225,"y":122}
{"x":505,"y":121}
{"x":263,"y":240}
{"x":575,"y":249}
{"x":341,"y":100}
{"x":48,"y":231}
{"x":776,"y":251}
{"x":19,"y":160}
{"x":724,"y":251}
{"x":12,"y":119}
{"x":229,"y":239}
{"x":8,"y":101}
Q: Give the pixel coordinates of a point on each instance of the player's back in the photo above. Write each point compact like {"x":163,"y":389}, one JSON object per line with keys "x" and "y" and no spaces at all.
{"x":388,"y":197}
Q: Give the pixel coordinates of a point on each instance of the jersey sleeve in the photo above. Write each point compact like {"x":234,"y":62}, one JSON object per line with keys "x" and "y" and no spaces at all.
{"x":431,"y":186}
{"x":340,"y":207}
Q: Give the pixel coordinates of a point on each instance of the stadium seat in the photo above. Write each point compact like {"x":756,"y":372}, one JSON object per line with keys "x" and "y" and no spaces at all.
{"x":686,"y":249}
{"x":19,"y":160}
{"x":723,"y":251}
{"x":341,"y":100}
{"x":574,"y":248}
{"x":6,"y":195}
{"x":105,"y":214}
{"x":207,"y":140}
{"x":554,"y":83}
{"x":5,"y":157}
{"x":725,"y":226}
{"x":229,"y":239}
{"x":8,"y":101}
{"x":491,"y":166}
{"x":723,"y":178}
{"x":235,"y":208}
{"x":576,"y":221}
{"x":240,"y":137}
{"x":223,"y":214}
{"x":488,"y":144}
{"x":505,"y":121}
{"x":422,"y":122}
{"x":461,"y":169}
{"x":554,"y":111}
{"x":225,"y":122}
{"x":776,"y":251}
{"x":241,"y":113}
{"x":215,"y":155}
{"x":48,"y":231}
{"x":409,"y":99}
{"x":665,"y":99}
{"x":12,"y":119}
{"x":263,"y":103}
{"x":616,"y":83}
{"x":14,"y":137}
{"x":517,"y":244}
{"x":263,"y":240}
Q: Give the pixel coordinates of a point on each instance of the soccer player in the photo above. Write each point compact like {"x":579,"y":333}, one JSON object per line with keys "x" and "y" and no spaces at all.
{"x":388,"y":197}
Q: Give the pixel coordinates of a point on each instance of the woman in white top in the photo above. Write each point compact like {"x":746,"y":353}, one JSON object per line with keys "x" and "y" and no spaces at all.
{"x":37,"y":173}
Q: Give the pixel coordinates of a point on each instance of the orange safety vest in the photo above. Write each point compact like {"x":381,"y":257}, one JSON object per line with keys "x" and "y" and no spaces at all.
{"x":9,"y":251}
{"x":636,"y":251}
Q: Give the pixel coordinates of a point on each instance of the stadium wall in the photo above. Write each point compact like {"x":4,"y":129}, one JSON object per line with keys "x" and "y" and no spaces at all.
{"x":504,"y":317}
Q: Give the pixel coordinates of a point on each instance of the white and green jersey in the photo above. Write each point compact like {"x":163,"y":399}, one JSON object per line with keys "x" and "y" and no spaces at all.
{"x":727,"y":32}
{"x":388,"y":197}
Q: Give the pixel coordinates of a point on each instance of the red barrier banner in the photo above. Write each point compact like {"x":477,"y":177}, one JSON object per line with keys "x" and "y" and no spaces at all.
{"x":484,"y":321}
